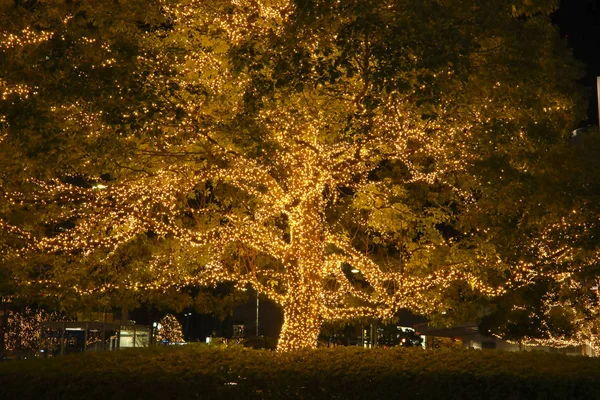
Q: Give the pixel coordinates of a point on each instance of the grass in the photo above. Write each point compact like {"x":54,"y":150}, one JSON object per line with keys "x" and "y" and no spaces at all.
{"x":195,"y":372}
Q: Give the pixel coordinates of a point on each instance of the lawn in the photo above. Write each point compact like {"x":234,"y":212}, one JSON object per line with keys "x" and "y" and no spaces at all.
{"x":196,"y":372}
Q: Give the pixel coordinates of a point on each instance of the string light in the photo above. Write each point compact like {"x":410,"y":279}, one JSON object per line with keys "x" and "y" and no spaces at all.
{"x":311,"y":161}
{"x":169,"y":330}
{"x":23,"y":329}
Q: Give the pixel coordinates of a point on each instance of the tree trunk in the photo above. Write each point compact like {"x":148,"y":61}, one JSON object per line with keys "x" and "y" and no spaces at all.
{"x":301,"y":321}
{"x":302,"y":316}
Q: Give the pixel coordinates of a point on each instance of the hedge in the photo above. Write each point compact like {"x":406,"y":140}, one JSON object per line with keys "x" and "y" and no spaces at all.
{"x":194,"y":372}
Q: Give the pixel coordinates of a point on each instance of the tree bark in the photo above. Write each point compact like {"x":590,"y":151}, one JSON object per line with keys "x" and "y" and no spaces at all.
{"x":301,"y":320}
{"x":302,"y":308}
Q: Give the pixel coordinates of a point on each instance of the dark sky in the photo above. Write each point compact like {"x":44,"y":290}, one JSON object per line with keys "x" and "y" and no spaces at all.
{"x":579,"y":22}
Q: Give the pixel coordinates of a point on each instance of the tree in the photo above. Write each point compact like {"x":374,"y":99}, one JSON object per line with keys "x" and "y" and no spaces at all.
{"x":340,"y":157}
{"x":170,"y":330}
{"x":23,"y":329}
{"x":554,"y":292}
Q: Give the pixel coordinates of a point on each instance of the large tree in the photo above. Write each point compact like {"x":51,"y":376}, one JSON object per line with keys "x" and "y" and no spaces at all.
{"x":554,"y":288}
{"x":341,"y":157}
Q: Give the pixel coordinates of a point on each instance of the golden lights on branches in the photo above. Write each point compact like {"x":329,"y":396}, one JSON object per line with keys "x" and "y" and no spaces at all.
{"x":169,"y":330}
{"x":285,"y":187}
{"x":23,"y":329}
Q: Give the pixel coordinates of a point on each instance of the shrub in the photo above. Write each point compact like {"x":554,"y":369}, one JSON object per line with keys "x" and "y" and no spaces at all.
{"x":340,"y":373}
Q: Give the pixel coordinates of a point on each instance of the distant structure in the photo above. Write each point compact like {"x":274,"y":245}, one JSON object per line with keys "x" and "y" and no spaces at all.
{"x":64,"y":337}
{"x":598,"y":97}
{"x":577,"y":133}
{"x":468,"y":336}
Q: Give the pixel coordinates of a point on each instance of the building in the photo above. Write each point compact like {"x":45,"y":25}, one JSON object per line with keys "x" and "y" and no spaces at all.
{"x":468,"y":336}
{"x":64,"y":337}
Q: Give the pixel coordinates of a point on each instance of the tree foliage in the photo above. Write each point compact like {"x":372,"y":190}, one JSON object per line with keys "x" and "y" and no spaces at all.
{"x":24,"y":329}
{"x":169,"y":330}
{"x":555,"y":298}
{"x":344,"y":158}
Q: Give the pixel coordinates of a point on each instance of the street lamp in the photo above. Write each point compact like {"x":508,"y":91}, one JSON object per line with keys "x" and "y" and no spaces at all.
{"x":156,"y":326}
{"x":187,"y":324}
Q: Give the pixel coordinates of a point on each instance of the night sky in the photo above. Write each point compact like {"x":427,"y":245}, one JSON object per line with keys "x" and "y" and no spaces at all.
{"x":579,"y":22}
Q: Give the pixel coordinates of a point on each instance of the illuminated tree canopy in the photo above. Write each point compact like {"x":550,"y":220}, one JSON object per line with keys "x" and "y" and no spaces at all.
{"x":555,"y":299}
{"x":344,"y":158}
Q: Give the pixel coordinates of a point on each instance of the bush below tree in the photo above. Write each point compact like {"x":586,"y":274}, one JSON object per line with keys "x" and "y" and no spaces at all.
{"x":342,"y":373}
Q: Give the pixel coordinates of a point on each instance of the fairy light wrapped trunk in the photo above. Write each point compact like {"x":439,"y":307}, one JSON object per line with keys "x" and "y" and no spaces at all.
{"x":275,"y":144}
{"x":303,"y":315}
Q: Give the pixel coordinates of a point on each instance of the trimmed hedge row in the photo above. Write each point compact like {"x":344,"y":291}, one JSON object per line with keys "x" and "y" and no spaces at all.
{"x":183,"y":372}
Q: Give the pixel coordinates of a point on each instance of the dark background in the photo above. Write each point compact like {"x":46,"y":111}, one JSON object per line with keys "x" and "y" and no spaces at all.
{"x":579,"y":23}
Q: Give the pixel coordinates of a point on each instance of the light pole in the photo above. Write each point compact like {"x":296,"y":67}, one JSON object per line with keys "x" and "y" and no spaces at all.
{"x":187,"y":324}
{"x":257,"y":310}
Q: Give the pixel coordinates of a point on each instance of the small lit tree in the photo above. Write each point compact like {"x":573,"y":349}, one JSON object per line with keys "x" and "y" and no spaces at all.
{"x":169,"y":330}
{"x":23,"y":329}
